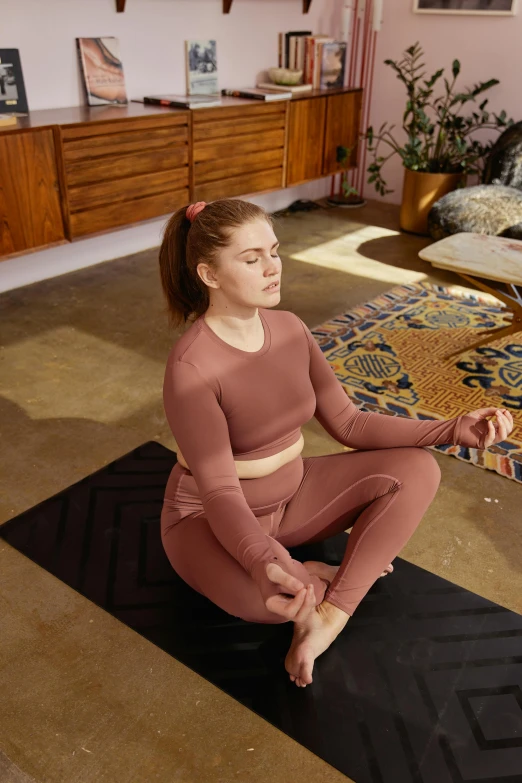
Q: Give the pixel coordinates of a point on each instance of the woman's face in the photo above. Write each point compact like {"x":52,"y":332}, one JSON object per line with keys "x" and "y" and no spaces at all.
{"x":247,"y":266}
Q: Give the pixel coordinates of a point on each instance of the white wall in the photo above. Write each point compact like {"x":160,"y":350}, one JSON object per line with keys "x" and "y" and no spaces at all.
{"x":151,"y":35}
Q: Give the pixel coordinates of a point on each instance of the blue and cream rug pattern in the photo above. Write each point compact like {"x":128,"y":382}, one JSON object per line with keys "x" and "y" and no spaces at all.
{"x":388,"y":353}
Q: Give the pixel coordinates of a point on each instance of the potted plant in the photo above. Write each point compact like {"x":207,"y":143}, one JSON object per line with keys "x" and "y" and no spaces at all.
{"x":440,"y":150}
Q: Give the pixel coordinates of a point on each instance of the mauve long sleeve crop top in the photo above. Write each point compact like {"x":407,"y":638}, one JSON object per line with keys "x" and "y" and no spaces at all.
{"x":225,"y":404}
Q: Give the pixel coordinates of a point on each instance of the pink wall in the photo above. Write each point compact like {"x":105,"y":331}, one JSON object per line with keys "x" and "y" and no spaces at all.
{"x":487,"y":47}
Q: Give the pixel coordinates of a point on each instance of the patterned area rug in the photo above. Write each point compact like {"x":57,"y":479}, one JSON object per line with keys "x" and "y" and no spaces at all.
{"x":389,"y":355}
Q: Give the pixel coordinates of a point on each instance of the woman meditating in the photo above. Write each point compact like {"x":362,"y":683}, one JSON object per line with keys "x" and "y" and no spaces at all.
{"x":240,"y":383}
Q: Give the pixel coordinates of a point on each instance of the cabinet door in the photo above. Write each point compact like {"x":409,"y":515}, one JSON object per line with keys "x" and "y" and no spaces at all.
{"x":343,"y":113}
{"x":305,"y":140}
{"x":30,"y":213}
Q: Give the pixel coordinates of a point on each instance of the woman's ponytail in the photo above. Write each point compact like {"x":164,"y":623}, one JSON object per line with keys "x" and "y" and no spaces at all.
{"x":183,"y":294}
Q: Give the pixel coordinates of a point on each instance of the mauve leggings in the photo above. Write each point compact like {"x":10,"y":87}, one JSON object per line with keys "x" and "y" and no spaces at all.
{"x":381,"y":494}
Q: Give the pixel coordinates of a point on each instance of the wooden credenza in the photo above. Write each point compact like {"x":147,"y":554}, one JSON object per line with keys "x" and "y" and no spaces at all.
{"x":71,"y":173}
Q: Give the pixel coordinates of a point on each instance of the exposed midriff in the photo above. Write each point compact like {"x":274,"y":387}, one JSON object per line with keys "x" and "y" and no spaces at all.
{"x":256,"y":468}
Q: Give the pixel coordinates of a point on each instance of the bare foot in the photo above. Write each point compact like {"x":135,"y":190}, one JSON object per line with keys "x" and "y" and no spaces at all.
{"x":325,"y":571}
{"x":311,"y":639}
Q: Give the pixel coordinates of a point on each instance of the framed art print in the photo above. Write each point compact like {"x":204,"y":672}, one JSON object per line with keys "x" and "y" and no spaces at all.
{"x":13,"y":99}
{"x":475,"y":7}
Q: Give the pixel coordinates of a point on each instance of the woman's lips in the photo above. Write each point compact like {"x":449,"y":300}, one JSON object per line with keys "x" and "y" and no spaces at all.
{"x":274,"y":288}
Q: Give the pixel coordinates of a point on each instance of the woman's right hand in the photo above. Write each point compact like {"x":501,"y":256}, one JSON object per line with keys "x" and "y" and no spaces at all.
{"x":297,"y":608}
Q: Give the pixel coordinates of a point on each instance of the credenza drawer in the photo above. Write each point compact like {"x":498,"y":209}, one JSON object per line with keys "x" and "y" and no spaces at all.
{"x":122,"y":213}
{"x":119,"y":166}
{"x":113,"y":190}
{"x":124,"y":143}
{"x":224,"y":129}
{"x":210,"y":170}
{"x":244,"y":184}
{"x":92,"y":129}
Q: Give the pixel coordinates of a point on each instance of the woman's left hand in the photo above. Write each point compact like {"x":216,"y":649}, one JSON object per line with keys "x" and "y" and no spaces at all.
{"x":498,"y":428}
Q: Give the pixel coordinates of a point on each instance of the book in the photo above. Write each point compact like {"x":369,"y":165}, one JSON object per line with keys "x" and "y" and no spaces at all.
{"x":287,"y":62}
{"x":102,"y":71}
{"x":317,"y":59}
{"x":253,"y":93}
{"x":12,"y":89}
{"x":201,"y":67}
{"x":7,"y":119}
{"x":300,"y":54}
{"x":184,"y":101}
{"x":311,"y":43}
{"x":333,"y":65}
{"x":293,"y":88}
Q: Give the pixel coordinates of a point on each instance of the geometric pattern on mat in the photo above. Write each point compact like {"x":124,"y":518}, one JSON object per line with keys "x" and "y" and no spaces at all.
{"x":388,"y":353}
{"x":423,"y":685}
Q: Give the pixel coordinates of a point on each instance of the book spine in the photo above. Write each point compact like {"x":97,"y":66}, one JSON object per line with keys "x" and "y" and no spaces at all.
{"x":312,"y":62}
{"x":187,"y":69}
{"x":291,"y":52}
{"x":242,"y":94}
{"x":84,"y":72}
{"x":287,"y":50}
{"x":318,"y":56}
{"x":163,"y":102}
{"x":300,"y":53}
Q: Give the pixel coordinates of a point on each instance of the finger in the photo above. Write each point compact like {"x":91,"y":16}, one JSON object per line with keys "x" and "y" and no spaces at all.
{"x":485,"y":411}
{"x":296,"y":604}
{"x":285,"y":606}
{"x":503,"y":425}
{"x":509,"y":419}
{"x":308,"y":605}
{"x":490,"y":437}
{"x":278,"y":575}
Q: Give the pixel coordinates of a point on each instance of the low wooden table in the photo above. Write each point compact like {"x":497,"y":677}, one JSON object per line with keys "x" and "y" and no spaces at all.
{"x":479,"y":258}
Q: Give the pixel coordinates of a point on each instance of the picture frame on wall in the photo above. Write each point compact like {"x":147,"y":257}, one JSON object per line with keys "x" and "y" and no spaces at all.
{"x":473,"y":7}
{"x":13,"y":99}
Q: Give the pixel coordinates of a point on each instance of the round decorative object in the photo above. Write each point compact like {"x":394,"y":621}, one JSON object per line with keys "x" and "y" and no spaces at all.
{"x":285,"y":76}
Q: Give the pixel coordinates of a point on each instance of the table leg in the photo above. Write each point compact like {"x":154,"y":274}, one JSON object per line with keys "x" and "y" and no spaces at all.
{"x":493,"y":334}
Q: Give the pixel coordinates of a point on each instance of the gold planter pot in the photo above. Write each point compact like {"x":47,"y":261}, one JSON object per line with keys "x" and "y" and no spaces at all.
{"x":420,"y":191}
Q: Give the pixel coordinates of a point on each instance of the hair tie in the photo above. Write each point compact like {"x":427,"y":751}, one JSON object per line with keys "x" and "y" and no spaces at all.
{"x":194,"y":209}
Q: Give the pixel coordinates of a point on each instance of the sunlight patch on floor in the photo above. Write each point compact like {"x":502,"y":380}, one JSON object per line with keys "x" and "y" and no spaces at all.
{"x":342,"y":255}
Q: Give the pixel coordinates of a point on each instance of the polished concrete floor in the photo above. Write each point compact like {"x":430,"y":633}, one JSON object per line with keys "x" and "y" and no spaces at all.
{"x":85,"y":698}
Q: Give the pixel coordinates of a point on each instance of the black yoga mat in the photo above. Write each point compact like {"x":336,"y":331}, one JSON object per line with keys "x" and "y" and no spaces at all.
{"x":422,"y":686}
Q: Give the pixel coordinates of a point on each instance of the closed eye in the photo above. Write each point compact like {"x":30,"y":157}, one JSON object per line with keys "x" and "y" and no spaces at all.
{"x":257,"y":259}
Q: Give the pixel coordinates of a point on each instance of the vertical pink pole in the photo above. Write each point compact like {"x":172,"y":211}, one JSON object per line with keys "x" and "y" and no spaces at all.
{"x":364,"y":61}
{"x":368,"y":104}
{"x":353,"y":52}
